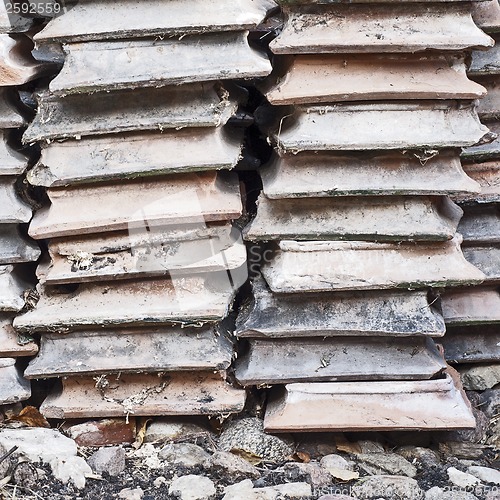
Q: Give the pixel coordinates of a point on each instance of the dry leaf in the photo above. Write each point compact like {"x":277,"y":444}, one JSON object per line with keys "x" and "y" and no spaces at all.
{"x":248,"y":456}
{"x":142,"y":425}
{"x":342,"y":474}
{"x":31,"y":417}
{"x":346,"y":446}
{"x":303,"y":456}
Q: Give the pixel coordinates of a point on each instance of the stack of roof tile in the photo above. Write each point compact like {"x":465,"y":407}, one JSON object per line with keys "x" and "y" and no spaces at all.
{"x":375,"y":106}
{"x":17,"y":67}
{"x":144,"y":261}
{"x":473,"y":315}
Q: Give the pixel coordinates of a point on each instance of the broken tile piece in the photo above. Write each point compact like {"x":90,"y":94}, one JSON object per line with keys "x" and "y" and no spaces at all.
{"x":358,"y":406}
{"x":98,"y":20}
{"x":318,"y":266}
{"x":14,"y":248}
{"x":471,"y":306}
{"x":75,"y":116}
{"x":485,"y":62}
{"x":487,"y":151}
{"x":380,"y":313}
{"x":10,"y":344}
{"x":131,"y":351}
{"x":474,"y":344}
{"x":13,"y":387}
{"x":393,"y":28}
{"x":371,"y":126}
{"x":181,"y":199}
{"x":488,"y":107}
{"x":122,"y":157}
{"x":142,"y":63}
{"x":323,"y":79}
{"x":327,"y":174}
{"x":487,"y":259}
{"x":487,"y":174}
{"x":368,"y":218}
{"x":143,"y":395}
{"x":286,"y":361}
{"x":185,"y":301}
{"x":11,"y":22}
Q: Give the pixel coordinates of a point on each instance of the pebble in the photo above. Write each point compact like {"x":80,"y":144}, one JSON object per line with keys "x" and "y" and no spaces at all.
{"x":160,"y":481}
{"x":248,"y":435}
{"x":437,"y":493}
{"x":461,"y":479}
{"x":110,"y":460}
{"x":170,"y":429}
{"x":485,"y":474}
{"x":315,"y":474}
{"x":131,"y":494}
{"x":388,"y":487}
{"x":192,"y":487}
{"x":425,"y":456}
{"x":386,"y":463}
{"x":235,"y":467}
{"x":480,"y":378}
{"x":187,"y":454}
{"x":245,"y":491}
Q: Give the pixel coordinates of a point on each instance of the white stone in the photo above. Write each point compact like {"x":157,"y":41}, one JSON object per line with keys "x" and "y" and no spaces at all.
{"x":485,"y":474}
{"x":192,"y":487}
{"x":438,"y":493}
{"x":149,"y":456}
{"x":245,"y":491}
{"x":461,"y":479}
{"x":186,"y":454}
{"x":167,"y":429}
{"x":388,"y":487}
{"x":131,"y":494}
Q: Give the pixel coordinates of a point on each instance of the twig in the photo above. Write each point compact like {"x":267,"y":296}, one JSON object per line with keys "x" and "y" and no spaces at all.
{"x":8,"y":454}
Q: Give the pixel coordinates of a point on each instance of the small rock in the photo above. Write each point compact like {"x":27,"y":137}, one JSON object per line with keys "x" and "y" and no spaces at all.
{"x":232,"y":491}
{"x":293,"y":490}
{"x":166,"y":429}
{"x":489,"y":402}
{"x":245,"y":491}
{"x":315,"y":475}
{"x":386,"y":463}
{"x":25,"y":475}
{"x":480,"y":378}
{"x":337,"y":462}
{"x":388,"y":487}
{"x":192,"y":487}
{"x":73,"y":469}
{"x":110,"y":460}
{"x":425,"y":456}
{"x":437,"y":493}
{"x":131,"y":494}
{"x":371,"y":447}
{"x":494,"y":437}
{"x":187,"y":454}
{"x":461,"y":479}
{"x":105,"y":432}
{"x":485,"y":474}
{"x":475,"y":435}
{"x":159,"y":482}
{"x":248,"y":435}
{"x":235,"y":467}
{"x":149,"y":456}
{"x":458,"y":449}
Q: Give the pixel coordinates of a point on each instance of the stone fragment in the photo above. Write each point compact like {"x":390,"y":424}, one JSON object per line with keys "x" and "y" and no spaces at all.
{"x":485,"y":474}
{"x":480,"y":378}
{"x":103,"y":432}
{"x":389,"y":488}
{"x":461,"y":479}
{"x":489,"y":402}
{"x":386,"y":463}
{"x":192,"y":487}
{"x":248,"y":435}
{"x":73,"y":469}
{"x":316,"y":475}
{"x":462,"y":450}
{"x":169,"y":429}
{"x":425,"y":456}
{"x":186,"y":454}
{"x":110,"y":460}
{"x":131,"y":494}
{"x":437,"y":493}
{"x":236,"y":468}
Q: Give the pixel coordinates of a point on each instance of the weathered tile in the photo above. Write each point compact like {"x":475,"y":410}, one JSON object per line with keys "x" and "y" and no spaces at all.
{"x":12,"y":209}
{"x":339,"y":174}
{"x":131,"y":351}
{"x":287,"y":361}
{"x":10,"y":344}
{"x":474,"y":344}
{"x":487,"y":259}
{"x":177,"y":258}
{"x":185,"y":301}
{"x":471,"y":306}
{"x":487,"y":174}
{"x":144,"y":63}
{"x":481,"y":225}
{"x":368,"y":218}
{"x":485,"y":151}
{"x":371,"y":126}
{"x":13,"y":387}
{"x":486,"y":62}
{"x":143,"y":395}
{"x":357,"y":406}
{"x":317,"y":266}
{"x":10,"y":117}
{"x":11,"y":22}
{"x":486,"y":15}
{"x":75,"y":116}
{"x":12,"y":289}
{"x":181,"y":199}
{"x":17,"y":65}
{"x":14,"y":248}
{"x":11,"y":162}
{"x":323,"y":79}
{"x":368,"y":313}
{"x":379,"y":28}
{"x":489,"y":106}
{"x":124,"y":156}
{"x":101,"y":20}
{"x":102,"y":432}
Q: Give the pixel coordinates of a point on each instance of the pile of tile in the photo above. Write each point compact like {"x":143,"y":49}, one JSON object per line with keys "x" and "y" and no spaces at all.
{"x":473,"y":315}
{"x":138,"y":134}
{"x":355,"y":220}
{"x":17,"y":67}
